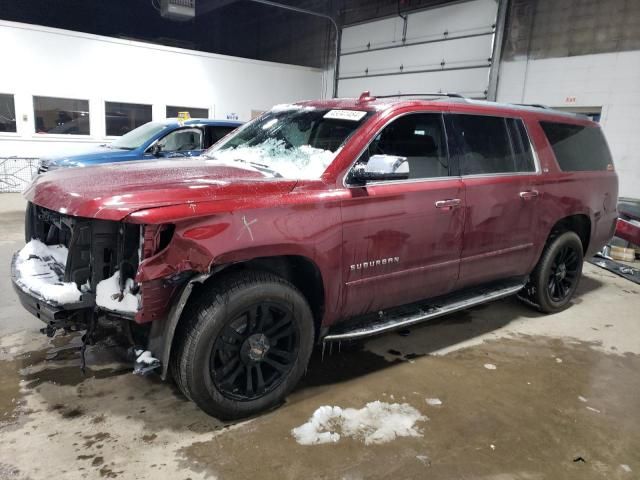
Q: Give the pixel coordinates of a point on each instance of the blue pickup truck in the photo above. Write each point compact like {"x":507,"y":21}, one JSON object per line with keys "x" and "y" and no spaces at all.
{"x":169,"y":138}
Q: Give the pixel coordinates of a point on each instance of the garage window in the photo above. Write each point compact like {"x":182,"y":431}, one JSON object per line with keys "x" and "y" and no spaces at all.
{"x":121,"y":118}
{"x":63,"y":116}
{"x":7,"y":113}
{"x":172,"y":112}
{"x":578,"y":147}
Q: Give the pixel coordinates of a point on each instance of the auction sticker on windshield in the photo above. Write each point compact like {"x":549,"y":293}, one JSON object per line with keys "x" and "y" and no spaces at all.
{"x":353,"y":115}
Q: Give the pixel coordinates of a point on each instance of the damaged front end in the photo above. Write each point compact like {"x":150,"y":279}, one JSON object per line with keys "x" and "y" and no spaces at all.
{"x":79,"y":274}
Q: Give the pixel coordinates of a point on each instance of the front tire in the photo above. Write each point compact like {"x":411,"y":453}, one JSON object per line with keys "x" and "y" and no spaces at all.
{"x":555,"y":279}
{"x":244,"y":344}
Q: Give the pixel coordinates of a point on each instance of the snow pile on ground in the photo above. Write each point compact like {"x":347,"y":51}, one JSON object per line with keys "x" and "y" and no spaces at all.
{"x":377,"y":422}
{"x":304,"y":162}
{"x":110,"y":297}
{"x":41,"y":268}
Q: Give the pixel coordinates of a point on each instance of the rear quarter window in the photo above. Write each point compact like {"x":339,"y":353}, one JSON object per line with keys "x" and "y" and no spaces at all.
{"x":577,"y":147}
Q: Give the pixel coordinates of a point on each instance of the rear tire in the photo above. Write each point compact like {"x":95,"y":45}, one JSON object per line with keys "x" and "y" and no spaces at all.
{"x":243,"y":345}
{"x":556,"y":276}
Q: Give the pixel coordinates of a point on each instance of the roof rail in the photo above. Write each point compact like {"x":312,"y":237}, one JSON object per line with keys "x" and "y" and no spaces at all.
{"x":367,"y":97}
{"x":535,"y":105}
{"x":435,"y":94}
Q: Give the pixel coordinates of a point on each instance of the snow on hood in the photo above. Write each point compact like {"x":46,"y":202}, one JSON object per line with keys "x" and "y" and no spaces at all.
{"x":300,"y":163}
{"x":377,"y":422}
{"x":41,"y":271}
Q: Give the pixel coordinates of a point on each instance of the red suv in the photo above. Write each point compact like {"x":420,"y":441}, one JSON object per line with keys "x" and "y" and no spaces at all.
{"x":320,"y":221}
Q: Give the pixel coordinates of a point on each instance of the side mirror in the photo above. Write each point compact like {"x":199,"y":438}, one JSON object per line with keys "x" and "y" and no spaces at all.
{"x":380,"y":167}
{"x":155,"y":149}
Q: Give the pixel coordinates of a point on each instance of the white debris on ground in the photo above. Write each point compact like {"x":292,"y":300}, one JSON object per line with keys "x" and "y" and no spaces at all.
{"x":304,"y":162}
{"x":433,"y":402}
{"x":144,"y":356}
{"x":625,"y":467}
{"x":582,"y":399}
{"x":593,"y":409}
{"x":110,"y":297}
{"x":490,"y":366}
{"x":558,"y":360}
{"x":41,"y":268}
{"x":377,"y":422}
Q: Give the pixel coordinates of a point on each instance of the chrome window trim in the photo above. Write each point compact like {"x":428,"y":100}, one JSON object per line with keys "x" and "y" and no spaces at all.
{"x":536,"y":159}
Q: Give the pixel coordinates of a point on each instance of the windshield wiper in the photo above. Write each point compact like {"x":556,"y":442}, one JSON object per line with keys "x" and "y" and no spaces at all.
{"x":259,"y":166}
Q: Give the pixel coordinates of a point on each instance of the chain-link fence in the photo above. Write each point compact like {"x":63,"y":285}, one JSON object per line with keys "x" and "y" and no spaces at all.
{"x":16,"y":173}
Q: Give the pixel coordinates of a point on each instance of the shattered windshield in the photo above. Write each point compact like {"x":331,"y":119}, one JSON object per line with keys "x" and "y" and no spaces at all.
{"x":290,"y":141}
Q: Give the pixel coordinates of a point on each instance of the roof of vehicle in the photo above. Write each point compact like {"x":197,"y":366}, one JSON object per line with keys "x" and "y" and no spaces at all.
{"x":200,"y":121}
{"x":372,"y":103}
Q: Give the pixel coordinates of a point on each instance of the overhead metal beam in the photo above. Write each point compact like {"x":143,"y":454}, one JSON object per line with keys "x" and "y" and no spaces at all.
{"x":496,"y":56}
{"x":315,"y":14}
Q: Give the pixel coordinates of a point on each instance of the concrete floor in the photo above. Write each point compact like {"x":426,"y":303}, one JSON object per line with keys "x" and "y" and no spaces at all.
{"x":562,"y":402}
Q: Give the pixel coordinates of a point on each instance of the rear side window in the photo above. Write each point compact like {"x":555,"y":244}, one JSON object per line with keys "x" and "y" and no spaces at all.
{"x":578,"y":147}
{"x":487,"y":145}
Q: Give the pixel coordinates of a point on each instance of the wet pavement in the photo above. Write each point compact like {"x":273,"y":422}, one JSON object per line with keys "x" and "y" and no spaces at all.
{"x":563,"y":400}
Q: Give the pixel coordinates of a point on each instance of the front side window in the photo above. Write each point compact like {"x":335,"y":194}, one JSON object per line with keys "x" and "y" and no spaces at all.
{"x":7,"y":113}
{"x":172,"y":112}
{"x":578,"y":147}
{"x":484,"y":145}
{"x":64,"y":116}
{"x":291,"y":142}
{"x":121,"y":118}
{"x":417,"y":140}
{"x":183,"y":140}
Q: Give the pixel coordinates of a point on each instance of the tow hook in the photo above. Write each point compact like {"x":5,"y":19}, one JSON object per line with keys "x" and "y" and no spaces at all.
{"x":145,"y":362}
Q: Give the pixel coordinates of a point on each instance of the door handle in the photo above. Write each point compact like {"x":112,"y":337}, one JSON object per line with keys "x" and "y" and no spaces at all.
{"x":452,"y":203}
{"x":529,"y":194}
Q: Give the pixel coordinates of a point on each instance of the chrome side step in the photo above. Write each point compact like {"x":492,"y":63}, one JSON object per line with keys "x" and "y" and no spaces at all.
{"x":402,"y":317}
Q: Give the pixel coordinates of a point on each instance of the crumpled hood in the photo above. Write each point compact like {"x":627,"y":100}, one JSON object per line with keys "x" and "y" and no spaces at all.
{"x":113,"y":191}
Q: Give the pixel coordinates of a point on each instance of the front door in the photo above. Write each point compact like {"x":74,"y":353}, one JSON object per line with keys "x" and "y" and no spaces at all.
{"x":500,"y":180}
{"x":403,"y":238}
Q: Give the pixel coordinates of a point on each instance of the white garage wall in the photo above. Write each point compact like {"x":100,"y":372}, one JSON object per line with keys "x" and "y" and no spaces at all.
{"x":446,"y":49}
{"x":44,"y":61}
{"x":609,"y":80}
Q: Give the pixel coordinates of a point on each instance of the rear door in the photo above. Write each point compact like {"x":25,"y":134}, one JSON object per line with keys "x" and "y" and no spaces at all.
{"x":501,"y":176}
{"x":402,"y":238}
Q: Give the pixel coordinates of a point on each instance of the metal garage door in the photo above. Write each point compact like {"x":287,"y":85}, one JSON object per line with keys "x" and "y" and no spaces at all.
{"x":444,"y":49}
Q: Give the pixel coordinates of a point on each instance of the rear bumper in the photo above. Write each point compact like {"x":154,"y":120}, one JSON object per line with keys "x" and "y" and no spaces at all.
{"x":50,"y":313}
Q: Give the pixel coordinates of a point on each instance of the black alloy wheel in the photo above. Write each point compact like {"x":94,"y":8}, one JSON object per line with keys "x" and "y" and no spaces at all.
{"x":242,"y":344}
{"x":564,"y":273}
{"x":255,"y":351}
{"x":555,"y":278}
